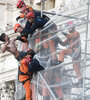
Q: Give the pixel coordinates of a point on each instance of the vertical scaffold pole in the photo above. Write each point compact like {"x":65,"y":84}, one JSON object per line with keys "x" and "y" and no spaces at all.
{"x":86,"y":50}
{"x":42,"y":7}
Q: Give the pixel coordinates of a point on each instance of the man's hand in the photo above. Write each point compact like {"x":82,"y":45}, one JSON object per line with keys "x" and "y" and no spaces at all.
{"x":18,"y":38}
{"x":5,"y":46}
{"x":7,"y":43}
{"x":23,"y":34}
{"x":22,"y":39}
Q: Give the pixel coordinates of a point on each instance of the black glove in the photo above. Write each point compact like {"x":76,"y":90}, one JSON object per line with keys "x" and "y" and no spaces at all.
{"x":23,"y":34}
{"x":20,"y":38}
{"x":18,"y":18}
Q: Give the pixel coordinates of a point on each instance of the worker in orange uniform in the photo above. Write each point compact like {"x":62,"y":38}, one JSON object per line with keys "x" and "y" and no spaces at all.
{"x":24,"y":8}
{"x":74,"y":50}
{"x":25,"y":42}
{"x":27,"y":68}
{"x":39,"y":23}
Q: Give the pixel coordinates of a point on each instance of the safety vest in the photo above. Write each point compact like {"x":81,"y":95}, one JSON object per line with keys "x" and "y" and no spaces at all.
{"x":23,"y":69}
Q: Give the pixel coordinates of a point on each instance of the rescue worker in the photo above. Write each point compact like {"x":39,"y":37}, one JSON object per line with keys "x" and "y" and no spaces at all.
{"x":24,"y":43}
{"x":21,"y":5}
{"x":74,"y":50}
{"x":25,"y":9}
{"x":27,"y":68}
{"x":35,"y":25}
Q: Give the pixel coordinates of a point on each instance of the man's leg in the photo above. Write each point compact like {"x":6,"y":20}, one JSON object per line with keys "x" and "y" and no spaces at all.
{"x":57,"y":79}
{"x":24,"y":79}
{"x":52,"y":49}
{"x":77,"y":69}
{"x":45,"y":91}
{"x":33,"y":91}
{"x":27,"y":86}
{"x":63,"y":53}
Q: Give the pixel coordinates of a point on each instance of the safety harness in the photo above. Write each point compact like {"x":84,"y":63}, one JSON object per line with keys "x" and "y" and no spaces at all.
{"x":27,"y":73}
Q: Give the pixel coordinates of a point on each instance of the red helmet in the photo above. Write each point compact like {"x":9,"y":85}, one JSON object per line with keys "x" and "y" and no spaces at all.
{"x":20,"y":3}
{"x":30,"y":15}
{"x":16,"y":26}
{"x":30,"y":52}
{"x":70,"y":23}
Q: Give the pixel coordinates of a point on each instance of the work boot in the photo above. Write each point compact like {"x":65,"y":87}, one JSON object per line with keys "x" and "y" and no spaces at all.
{"x":40,"y":68}
{"x":55,"y":62}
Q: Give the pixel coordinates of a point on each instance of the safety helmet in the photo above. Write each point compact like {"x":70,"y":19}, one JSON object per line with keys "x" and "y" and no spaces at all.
{"x":70,"y":23}
{"x":20,"y":3}
{"x":30,"y":15}
{"x":16,"y":26}
{"x":30,"y":52}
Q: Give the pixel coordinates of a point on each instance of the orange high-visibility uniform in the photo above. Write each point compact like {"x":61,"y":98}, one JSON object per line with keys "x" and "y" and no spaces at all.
{"x":25,"y":77}
{"x":27,"y":9}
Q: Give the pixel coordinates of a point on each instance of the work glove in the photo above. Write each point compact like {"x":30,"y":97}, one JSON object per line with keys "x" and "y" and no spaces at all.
{"x":18,"y":18}
{"x":18,"y":38}
{"x":22,"y":39}
{"x":23,"y":34}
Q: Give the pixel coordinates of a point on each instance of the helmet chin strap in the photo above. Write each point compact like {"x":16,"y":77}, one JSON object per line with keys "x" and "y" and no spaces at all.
{"x":73,"y":29}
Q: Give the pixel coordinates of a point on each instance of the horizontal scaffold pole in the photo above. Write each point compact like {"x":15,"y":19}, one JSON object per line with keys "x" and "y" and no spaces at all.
{"x":53,"y":13}
{"x":68,"y":16}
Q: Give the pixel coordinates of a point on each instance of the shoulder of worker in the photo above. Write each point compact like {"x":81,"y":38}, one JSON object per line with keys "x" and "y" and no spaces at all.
{"x":30,"y":8}
{"x":76,"y":33}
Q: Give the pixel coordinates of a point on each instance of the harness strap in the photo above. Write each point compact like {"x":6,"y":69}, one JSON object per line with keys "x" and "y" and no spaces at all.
{"x":23,"y":82}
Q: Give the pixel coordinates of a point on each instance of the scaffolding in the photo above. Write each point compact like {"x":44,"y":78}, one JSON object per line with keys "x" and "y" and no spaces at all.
{"x":46,"y":80}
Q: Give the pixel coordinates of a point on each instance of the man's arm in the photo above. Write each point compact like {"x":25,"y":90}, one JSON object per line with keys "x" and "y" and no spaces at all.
{"x":32,"y":29}
{"x":4,"y":47}
{"x":22,"y":39}
{"x":66,"y":41}
{"x":63,"y":43}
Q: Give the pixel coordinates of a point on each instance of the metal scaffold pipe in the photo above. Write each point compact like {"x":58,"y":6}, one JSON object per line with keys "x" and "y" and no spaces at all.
{"x":86,"y":48}
{"x":72,"y":17}
{"x":47,"y":87}
{"x":42,"y":7}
